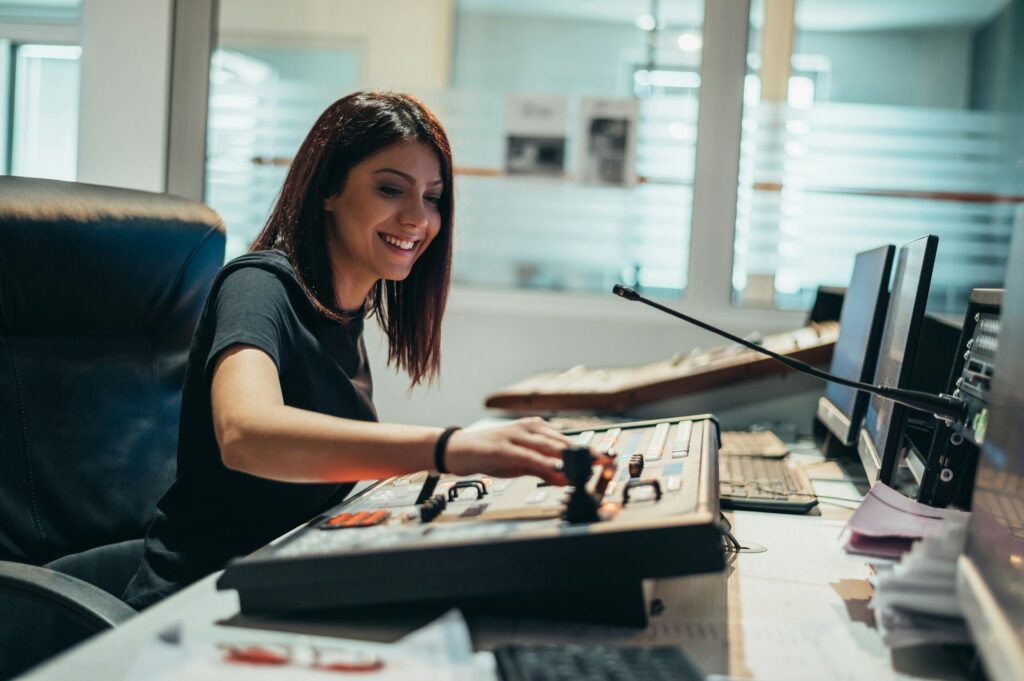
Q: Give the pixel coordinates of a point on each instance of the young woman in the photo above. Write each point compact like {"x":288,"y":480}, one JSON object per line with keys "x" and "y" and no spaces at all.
{"x":277,"y":420}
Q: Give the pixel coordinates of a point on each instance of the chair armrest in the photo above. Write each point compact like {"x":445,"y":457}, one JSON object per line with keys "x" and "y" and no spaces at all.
{"x":79,"y":601}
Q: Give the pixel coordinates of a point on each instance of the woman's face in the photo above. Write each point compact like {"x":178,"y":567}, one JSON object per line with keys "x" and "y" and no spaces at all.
{"x":384,"y":218}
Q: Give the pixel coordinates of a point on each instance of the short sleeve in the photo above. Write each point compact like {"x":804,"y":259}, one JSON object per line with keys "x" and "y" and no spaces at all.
{"x":251,"y":308}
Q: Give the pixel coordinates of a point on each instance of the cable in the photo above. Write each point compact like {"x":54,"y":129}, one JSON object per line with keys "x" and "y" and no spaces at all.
{"x":733,"y":544}
{"x":945,"y":407}
{"x":851,"y":479}
{"x":844,"y":499}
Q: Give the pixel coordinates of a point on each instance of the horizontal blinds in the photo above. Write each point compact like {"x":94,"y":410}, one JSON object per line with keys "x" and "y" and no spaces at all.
{"x":818,"y":185}
{"x":561,"y":234}
{"x":262,"y":104}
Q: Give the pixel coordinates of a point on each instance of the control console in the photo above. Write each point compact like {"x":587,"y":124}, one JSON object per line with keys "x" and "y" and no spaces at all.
{"x":642,"y":503}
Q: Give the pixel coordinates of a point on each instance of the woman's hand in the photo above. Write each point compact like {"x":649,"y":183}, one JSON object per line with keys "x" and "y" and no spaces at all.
{"x":528,"y":446}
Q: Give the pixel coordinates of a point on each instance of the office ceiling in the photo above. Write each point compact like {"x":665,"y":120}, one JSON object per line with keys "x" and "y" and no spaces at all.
{"x":812,"y":15}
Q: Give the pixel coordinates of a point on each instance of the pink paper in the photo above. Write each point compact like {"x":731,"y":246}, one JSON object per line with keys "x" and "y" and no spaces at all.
{"x":887,"y":547}
{"x":887,"y":513}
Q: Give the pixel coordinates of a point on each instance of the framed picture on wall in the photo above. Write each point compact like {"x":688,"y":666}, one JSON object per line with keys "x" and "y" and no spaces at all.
{"x":608,"y":141}
{"x":535,"y":135}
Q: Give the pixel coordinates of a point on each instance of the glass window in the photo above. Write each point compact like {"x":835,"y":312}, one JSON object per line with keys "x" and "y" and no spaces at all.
{"x":41,"y":11}
{"x":572,"y":126}
{"x":263,"y":101}
{"x":876,"y":129}
{"x":44,"y":137}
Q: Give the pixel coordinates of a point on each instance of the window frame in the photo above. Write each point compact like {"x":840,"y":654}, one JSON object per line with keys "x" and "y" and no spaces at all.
{"x":708,"y":292}
{"x":12,"y":36}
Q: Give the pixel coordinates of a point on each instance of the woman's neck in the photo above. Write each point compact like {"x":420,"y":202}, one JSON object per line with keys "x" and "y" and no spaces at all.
{"x":350,"y":292}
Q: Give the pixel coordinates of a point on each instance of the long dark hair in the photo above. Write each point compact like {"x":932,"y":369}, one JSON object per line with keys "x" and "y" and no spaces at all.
{"x":350,"y":130}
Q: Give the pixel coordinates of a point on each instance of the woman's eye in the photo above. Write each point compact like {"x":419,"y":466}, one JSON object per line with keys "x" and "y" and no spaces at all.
{"x":388,"y":190}
{"x":436,"y":200}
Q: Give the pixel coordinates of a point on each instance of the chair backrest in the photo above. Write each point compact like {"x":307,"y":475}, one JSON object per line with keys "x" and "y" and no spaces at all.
{"x":100,"y":292}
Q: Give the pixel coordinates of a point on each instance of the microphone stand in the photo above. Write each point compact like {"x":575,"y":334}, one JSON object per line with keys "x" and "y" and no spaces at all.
{"x":945,"y":408}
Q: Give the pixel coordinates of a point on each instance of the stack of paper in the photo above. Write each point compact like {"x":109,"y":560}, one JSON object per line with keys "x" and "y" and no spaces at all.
{"x":887,"y":523}
{"x":915,"y":600}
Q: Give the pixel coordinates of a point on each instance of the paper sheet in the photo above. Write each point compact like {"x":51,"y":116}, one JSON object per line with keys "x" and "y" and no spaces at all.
{"x":888,"y":513}
{"x":887,"y":523}
{"x":441,"y":650}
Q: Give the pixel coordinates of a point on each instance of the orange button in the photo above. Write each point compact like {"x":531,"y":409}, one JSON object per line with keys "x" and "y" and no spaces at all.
{"x":339,"y":519}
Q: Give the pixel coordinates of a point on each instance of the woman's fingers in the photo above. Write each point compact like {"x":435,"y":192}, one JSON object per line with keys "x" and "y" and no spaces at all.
{"x":531,"y":463}
{"x":527,"y":447}
{"x":537,"y":425}
{"x":543,"y":444}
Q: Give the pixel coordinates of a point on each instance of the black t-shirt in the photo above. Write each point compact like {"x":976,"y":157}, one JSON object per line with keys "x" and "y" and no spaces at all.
{"x":211,"y":513}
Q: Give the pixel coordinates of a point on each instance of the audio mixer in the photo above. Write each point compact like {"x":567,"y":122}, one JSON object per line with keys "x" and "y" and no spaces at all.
{"x":622,"y":388}
{"x":642,"y":503}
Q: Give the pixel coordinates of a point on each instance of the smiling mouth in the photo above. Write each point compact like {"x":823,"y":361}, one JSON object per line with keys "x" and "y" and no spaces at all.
{"x":399,"y":243}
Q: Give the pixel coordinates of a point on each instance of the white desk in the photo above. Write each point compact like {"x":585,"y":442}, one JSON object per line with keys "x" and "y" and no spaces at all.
{"x":797,"y":611}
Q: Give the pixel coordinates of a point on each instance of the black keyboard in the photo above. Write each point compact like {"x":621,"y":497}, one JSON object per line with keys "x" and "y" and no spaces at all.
{"x":759,"y":483}
{"x":594,"y":662}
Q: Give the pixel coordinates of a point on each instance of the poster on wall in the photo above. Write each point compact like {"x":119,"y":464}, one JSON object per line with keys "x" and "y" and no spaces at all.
{"x":608,"y":141}
{"x":535,"y":128}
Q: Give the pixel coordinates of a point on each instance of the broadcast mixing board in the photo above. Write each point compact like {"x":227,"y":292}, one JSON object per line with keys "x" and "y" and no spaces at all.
{"x":622,"y":388}
{"x":648,"y":508}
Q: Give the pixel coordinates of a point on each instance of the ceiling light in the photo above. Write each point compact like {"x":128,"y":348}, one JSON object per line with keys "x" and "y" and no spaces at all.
{"x":645,"y":22}
{"x":690,"y":41}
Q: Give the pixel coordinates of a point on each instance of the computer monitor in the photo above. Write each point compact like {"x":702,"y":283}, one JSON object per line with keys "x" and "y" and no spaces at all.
{"x":990,"y":574}
{"x":841,"y":409}
{"x":881,"y":434}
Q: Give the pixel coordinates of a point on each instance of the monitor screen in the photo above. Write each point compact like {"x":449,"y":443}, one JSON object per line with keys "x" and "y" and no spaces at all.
{"x":860,"y":331}
{"x":880,"y":436}
{"x":992,"y":570}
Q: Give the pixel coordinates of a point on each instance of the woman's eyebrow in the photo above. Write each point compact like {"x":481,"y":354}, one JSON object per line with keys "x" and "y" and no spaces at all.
{"x":406,"y":176}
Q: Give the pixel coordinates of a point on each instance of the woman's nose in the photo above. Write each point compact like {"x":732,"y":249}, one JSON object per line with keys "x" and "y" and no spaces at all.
{"x":414,"y":213}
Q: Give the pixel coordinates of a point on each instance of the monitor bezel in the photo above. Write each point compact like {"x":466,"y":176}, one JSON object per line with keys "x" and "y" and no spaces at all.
{"x":887,"y":456}
{"x":842,"y":425}
{"x":835,"y":419}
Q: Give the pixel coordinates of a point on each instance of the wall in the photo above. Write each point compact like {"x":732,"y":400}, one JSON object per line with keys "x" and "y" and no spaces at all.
{"x":515,"y":53}
{"x":125,"y":86}
{"x":405,"y":43}
{"x":927,"y":68}
{"x":998,"y":50}
{"x":493,"y":339}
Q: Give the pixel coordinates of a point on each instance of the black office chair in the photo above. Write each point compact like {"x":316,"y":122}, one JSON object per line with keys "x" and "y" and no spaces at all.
{"x":100,"y":292}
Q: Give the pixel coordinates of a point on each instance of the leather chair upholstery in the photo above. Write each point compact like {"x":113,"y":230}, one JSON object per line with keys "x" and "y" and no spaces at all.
{"x":100,"y":292}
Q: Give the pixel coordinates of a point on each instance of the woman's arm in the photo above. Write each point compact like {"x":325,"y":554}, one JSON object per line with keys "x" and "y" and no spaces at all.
{"x":260,"y":435}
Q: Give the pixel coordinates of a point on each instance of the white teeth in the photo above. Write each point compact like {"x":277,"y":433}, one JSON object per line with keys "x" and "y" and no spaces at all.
{"x":399,"y":243}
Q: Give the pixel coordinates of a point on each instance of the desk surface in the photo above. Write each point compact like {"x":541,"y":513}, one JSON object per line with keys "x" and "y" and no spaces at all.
{"x":795,"y":611}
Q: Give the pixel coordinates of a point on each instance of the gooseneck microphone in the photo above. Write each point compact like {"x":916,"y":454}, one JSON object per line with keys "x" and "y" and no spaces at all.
{"x":944,"y":407}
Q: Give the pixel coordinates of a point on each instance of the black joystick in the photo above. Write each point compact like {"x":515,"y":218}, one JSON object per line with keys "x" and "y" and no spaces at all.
{"x":581,"y":507}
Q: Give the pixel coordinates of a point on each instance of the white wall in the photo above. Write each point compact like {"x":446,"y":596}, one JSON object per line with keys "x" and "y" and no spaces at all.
{"x":493,"y":339}
{"x":515,"y":53}
{"x":920,"y":67}
{"x":405,"y":43}
{"x":125,"y":89}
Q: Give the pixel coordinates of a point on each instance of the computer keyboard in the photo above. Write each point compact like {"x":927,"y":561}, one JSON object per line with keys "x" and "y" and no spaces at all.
{"x":757,"y":443}
{"x":762,"y":483}
{"x":594,"y":662}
